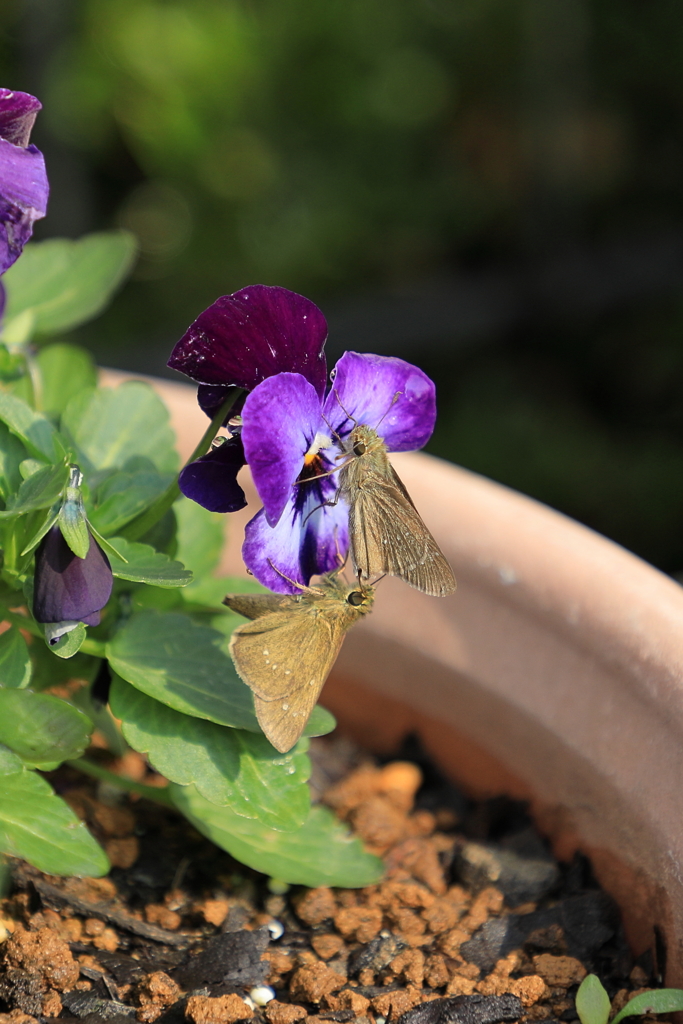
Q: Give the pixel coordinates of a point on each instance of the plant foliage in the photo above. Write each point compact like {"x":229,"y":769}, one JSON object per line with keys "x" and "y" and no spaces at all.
{"x":164,"y":631}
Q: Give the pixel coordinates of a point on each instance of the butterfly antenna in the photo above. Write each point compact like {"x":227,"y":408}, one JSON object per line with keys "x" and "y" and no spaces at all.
{"x":394,"y":400}
{"x":332,"y":430}
{"x":294,"y":583}
{"x":347,"y":414}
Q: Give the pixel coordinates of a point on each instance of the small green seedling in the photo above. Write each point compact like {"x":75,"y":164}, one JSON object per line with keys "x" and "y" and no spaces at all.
{"x":593,"y":1005}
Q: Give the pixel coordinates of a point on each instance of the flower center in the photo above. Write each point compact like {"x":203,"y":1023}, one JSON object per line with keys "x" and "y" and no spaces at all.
{"x":319,"y":441}
{"x":313,"y":467}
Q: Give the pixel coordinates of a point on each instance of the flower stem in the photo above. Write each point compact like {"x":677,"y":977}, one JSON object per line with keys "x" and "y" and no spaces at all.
{"x":159,"y":796}
{"x":140,"y":526}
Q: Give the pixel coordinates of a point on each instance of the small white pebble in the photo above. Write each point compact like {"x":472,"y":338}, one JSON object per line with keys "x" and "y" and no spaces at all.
{"x":380,"y":1020}
{"x":262,"y":994}
{"x":276,"y":929}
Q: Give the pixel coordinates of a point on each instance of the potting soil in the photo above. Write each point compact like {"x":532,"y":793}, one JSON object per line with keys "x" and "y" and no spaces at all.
{"x":474,"y":922}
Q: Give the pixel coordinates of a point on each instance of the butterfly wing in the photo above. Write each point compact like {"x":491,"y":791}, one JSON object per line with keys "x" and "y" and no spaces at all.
{"x":389,"y":536}
{"x":253,"y":606}
{"x":285,"y":658}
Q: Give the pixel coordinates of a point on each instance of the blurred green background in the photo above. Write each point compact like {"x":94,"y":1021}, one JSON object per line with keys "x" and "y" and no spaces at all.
{"x":491,"y":188}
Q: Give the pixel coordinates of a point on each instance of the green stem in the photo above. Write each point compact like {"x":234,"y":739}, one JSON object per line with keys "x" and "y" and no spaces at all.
{"x":159,"y":796}
{"x":97,"y":648}
{"x":140,"y":526}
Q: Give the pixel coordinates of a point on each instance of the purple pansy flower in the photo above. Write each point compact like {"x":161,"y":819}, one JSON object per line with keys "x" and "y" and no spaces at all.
{"x":240,"y":341}
{"x":23,"y":181}
{"x":270,"y":341}
{"x":290,"y":435}
{"x":68,"y":589}
{"x":211,"y":480}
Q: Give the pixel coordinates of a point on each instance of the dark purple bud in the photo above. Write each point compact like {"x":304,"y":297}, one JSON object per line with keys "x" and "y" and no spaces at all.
{"x":68,"y":588}
{"x":23,"y":180}
{"x":18,"y":112}
{"x":259,"y":331}
{"x":211,"y":480}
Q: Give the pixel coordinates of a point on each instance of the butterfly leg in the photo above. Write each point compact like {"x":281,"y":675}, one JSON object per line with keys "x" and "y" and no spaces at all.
{"x":331,"y":502}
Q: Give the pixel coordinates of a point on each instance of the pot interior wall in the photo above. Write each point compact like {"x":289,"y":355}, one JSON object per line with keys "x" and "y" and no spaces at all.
{"x":380,"y":723}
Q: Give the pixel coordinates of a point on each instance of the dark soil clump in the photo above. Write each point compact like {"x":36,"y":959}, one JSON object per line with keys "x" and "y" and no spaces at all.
{"x":474,"y":922}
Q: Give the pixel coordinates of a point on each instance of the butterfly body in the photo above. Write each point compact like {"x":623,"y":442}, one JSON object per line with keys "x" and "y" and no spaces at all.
{"x":286,"y":652}
{"x":387,"y":533}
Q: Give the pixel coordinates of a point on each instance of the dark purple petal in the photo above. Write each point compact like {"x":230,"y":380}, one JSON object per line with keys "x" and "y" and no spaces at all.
{"x":259,"y":331}
{"x":23,"y":198}
{"x":280,"y":420}
{"x":394,"y":397}
{"x":211,"y":480}
{"x":304,"y":543}
{"x":67,"y":587}
{"x":212,"y":396}
{"x":17,"y":113}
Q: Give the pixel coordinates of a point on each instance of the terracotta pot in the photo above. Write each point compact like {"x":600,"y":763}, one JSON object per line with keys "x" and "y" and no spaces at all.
{"x":555,"y":674}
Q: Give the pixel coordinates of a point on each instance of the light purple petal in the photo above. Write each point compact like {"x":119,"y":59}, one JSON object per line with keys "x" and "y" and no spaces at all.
{"x":394,"y":397}
{"x":67,"y":587}
{"x":246,"y":337}
{"x":211,"y":480}
{"x":280,"y":419}
{"x":300,"y":545}
{"x":23,"y":198}
{"x":17,"y":113}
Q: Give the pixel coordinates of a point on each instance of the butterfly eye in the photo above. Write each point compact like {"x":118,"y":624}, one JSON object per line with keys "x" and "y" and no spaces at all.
{"x":359,"y":448}
{"x":356,"y":598}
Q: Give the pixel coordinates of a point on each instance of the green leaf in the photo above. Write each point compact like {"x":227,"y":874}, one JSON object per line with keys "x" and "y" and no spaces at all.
{"x":40,"y":490}
{"x":47,"y":523}
{"x":12,"y":364}
{"x":50,"y":671}
{"x":12,"y":454}
{"x":660,"y":1000}
{"x":171,"y":658}
{"x":36,"y":432}
{"x":145,"y":565}
{"x":201,"y":536}
{"x":165,"y":599}
{"x":72,"y":523}
{"x":123,"y":496}
{"x":106,"y":545}
{"x":61,"y":283}
{"x":320,"y":723}
{"x":39,"y":727}
{"x":15,"y":663}
{"x":592,"y":1002}
{"x":110,"y":425}
{"x":321,"y":852}
{"x":228,"y":766}
{"x":208,"y":593}
{"x":70,"y":643}
{"x":30,"y":466}
{"x":36,"y":825}
{"x":9,"y":762}
{"x":65,"y":371}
